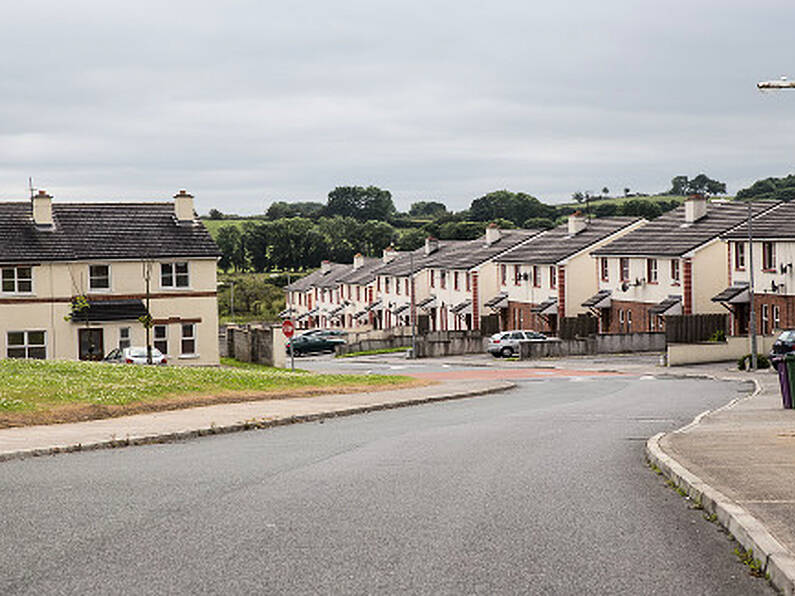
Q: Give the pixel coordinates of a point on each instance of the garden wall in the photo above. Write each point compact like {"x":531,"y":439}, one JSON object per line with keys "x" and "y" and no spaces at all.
{"x":261,"y":344}
{"x":613,"y":343}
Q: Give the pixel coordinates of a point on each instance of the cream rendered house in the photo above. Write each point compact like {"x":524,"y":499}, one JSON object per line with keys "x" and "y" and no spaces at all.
{"x":550,"y":276}
{"x":98,"y":256}
{"x":673,"y":265}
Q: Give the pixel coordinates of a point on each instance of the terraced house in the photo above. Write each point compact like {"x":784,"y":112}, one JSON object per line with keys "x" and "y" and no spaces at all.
{"x":77,"y":279}
{"x":774,"y":279}
{"x":673,"y":265}
{"x":550,"y":276}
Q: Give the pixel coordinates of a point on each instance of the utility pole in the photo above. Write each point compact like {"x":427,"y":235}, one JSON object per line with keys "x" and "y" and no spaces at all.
{"x":290,"y":313}
{"x":148,"y":316}
{"x":413,"y":308}
{"x":752,"y":314}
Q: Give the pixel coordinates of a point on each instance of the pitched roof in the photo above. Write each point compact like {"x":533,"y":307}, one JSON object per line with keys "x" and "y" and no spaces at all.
{"x":733,"y":293}
{"x":101,"y":231}
{"x":665,"y":305}
{"x":669,"y":235}
{"x":774,"y":224}
{"x":557,"y":244}
{"x":364,"y":274}
{"x":472,"y":253}
{"x":594,"y":300}
{"x":402,"y":265}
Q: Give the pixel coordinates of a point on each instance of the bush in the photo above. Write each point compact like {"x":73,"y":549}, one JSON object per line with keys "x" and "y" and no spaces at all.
{"x":718,"y":336}
{"x":762,"y":361}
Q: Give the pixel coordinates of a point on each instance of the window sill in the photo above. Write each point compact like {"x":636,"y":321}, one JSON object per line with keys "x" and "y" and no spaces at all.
{"x":675,"y":283}
{"x":774,"y":270}
{"x":187,"y":356}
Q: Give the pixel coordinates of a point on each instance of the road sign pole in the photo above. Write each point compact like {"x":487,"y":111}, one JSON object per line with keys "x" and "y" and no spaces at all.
{"x":290,"y":312}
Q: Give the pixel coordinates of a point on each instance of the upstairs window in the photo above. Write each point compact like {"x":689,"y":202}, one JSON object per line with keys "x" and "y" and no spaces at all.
{"x":623,"y":268}
{"x":675,"y":271}
{"x":99,"y":277}
{"x":358,"y":293}
{"x":536,"y":276}
{"x":17,"y":280}
{"x":386,"y":285}
{"x":443,"y":279}
{"x":651,"y":271}
{"x":553,"y":278}
{"x":174,"y":275}
{"x":406,"y":284}
{"x":739,"y":256}
{"x":503,"y":275}
{"x":397,"y":286}
{"x":456,"y":283}
{"x":604,"y":272}
{"x":432,"y":274}
{"x":517,"y":275}
{"x":469,"y":281}
{"x":768,"y":256}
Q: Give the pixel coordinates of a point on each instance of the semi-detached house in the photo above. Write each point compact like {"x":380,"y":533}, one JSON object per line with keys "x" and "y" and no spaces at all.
{"x":550,"y":276}
{"x":673,"y":265}
{"x":774,"y":278}
{"x":74,"y":279}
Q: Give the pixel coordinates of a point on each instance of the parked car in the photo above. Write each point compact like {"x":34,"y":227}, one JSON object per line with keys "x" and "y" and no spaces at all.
{"x":313,"y":343}
{"x":506,"y":343}
{"x":134,"y":355}
{"x":784,"y":344}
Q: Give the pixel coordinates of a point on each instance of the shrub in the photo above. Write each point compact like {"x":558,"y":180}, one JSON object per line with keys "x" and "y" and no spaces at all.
{"x":762,"y":361}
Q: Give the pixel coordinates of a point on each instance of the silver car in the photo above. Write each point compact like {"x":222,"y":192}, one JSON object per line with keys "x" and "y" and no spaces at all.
{"x":506,"y":343}
{"x":133,"y":355}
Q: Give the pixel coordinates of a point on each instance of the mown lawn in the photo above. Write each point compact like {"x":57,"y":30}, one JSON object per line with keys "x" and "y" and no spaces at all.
{"x":30,"y":389}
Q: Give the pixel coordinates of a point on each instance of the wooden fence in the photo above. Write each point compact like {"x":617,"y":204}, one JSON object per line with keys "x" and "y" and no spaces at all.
{"x":580,"y":326}
{"x":688,"y":329}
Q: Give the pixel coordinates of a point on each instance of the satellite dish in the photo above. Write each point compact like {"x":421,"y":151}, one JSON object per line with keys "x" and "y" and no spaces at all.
{"x":624,"y":286}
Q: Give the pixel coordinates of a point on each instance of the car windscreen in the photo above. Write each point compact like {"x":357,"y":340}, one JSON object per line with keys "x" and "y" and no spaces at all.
{"x":787,"y":336}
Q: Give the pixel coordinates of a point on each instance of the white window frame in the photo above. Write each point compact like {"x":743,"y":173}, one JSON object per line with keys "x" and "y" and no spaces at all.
{"x":651,"y":271}
{"x":776,"y":316}
{"x":765,"y":319}
{"x":604,"y":269}
{"x":183,"y":338}
{"x":122,"y":339}
{"x":173,"y":275}
{"x":676,"y":272}
{"x":16,"y":280}
{"x":155,"y":339}
{"x":91,"y":278}
{"x":26,"y":345}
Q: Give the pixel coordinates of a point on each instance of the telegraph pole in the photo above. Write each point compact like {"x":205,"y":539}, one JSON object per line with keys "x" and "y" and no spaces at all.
{"x":413,"y":308}
{"x":752,"y":314}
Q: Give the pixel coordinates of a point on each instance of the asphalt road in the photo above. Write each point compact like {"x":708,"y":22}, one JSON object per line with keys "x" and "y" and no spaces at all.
{"x":541,"y":490}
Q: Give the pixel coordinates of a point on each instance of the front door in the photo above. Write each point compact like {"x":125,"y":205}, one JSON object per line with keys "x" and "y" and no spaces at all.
{"x":91,"y":344}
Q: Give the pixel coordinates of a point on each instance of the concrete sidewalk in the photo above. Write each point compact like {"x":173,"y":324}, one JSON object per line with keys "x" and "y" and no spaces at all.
{"x":739,"y":463}
{"x":194,"y":422}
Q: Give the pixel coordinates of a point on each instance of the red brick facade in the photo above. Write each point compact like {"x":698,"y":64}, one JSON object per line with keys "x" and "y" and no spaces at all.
{"x":687,"y":283}
{"x":767,"y":306}
{"x":561,"y":291}
{"x":521,"y":316}
{"x":629,"y":317}
{"x":475,"y":303}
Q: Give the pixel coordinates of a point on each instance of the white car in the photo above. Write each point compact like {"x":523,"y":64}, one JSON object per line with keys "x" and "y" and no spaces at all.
{"x":134,"y":355}
{"x":506,"y":343}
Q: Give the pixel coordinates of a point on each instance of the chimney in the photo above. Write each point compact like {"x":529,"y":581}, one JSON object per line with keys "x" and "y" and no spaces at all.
{"x":577,"y":223}
{"x":325,"y":266}
{"x":695,"y":208}
{"x":431,"y":245}
{"x":389,"y":254}
{"x":183,"y":206}
{"x":358,"y":261}
{"x":42,"y":209}
{"x":492,"y":234}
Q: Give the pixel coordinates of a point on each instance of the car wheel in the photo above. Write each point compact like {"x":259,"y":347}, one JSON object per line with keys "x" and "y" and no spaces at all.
{"x":506,"y":352}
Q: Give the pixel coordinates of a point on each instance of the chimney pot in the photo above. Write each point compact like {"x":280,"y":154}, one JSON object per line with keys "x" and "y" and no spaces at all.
{"x":431,"y":245}
{"x":389,"y":254}
{"x":577,"y":223}
{"x":695,"y":208}
{"x":492,"y":234}
{"x":358,"y":261}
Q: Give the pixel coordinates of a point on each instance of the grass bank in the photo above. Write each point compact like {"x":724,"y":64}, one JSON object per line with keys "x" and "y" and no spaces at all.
{"x":371,"y":352}
{"x":46,"y":392}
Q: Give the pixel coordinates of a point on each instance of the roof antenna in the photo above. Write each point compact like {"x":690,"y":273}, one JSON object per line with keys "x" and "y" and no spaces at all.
{"x":30,"y":187}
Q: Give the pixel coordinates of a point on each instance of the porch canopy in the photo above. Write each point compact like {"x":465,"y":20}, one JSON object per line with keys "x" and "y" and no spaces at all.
{"x":111,"y":310}
{"x":547,"y":307}
{"x":428,"y":303}
{"x":309,"y":313}
{"x":599,"y":300}
{"x":736,"y":294}
{"x":498,"y":302}
{"x":463,"y":308}
{"x":670,"y":306}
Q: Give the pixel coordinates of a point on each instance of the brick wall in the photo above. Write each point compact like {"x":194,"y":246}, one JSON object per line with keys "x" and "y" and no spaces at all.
{"x":528,"y":320}
{"x":475,"y":303}
{"x":639,"y":315}
{"x":786,"y":305}
{"x":687,"y":284}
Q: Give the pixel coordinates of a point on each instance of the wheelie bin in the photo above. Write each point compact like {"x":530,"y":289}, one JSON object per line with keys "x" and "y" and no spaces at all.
{"x":785,"y":366}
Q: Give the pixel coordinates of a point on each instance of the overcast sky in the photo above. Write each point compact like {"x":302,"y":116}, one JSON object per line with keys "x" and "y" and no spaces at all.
{"x":244,"y":103}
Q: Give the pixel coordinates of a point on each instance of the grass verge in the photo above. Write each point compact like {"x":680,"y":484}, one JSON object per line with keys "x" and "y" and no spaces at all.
{"x":371,"y":352}
{"x":47,"y":392}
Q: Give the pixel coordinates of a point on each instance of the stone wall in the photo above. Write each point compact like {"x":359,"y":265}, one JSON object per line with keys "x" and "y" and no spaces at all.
{"x":260,"y":344}
{"x":434,"y":343}
{"x":599,"y":344}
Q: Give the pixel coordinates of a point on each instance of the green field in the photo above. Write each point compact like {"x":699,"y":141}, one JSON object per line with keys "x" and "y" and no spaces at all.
{"x":38,"y":386}
{"x":620,"y":200}
{"x":213,"y":225}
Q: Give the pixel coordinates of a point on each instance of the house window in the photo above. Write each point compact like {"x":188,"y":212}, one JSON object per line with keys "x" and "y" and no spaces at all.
{"x":623,"y":271}
{"x":358,"y":293}
{"x":553,"y":278}
{"x":629,"y":321}
{"x":174,"y":275}
{"x":768,"y":256}
{"x":99,"y":277}
{"x":26,"y":344}
{"x":469,"y":281}
{"x":503,"y":274}
{"x":188,"y":339}
{"x":675,"y":271}
{"x":433,"y":278}
{"x":443,"y":279}
{"x":378,"y":284}
{"x":536,"y":276}
{"x":161,"y":338}
{"x":397,"y":286}
{"x":604,"y":272}
{"x":124,"y":338}
{"x":406,"y":286}
{"x":776,"y":317}
{"x":651,"y":271}
{"x":620,"y":320}
{"x":765,"y":319}
{"x":739,"y":256}
{"x":456,"y":280}
{"x":17,"y":280}
{"x":386,"y":285}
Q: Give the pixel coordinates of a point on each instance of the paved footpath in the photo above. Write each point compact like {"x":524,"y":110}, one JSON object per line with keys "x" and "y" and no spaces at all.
{"x":193,"y":422}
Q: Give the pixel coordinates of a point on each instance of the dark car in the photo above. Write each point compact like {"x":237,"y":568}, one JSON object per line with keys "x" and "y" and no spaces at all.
{"x":784,"y":344}
{"x":313,"y":343}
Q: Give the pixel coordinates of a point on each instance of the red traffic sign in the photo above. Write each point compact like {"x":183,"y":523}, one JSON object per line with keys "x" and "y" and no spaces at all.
{"x":288,"y":328}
